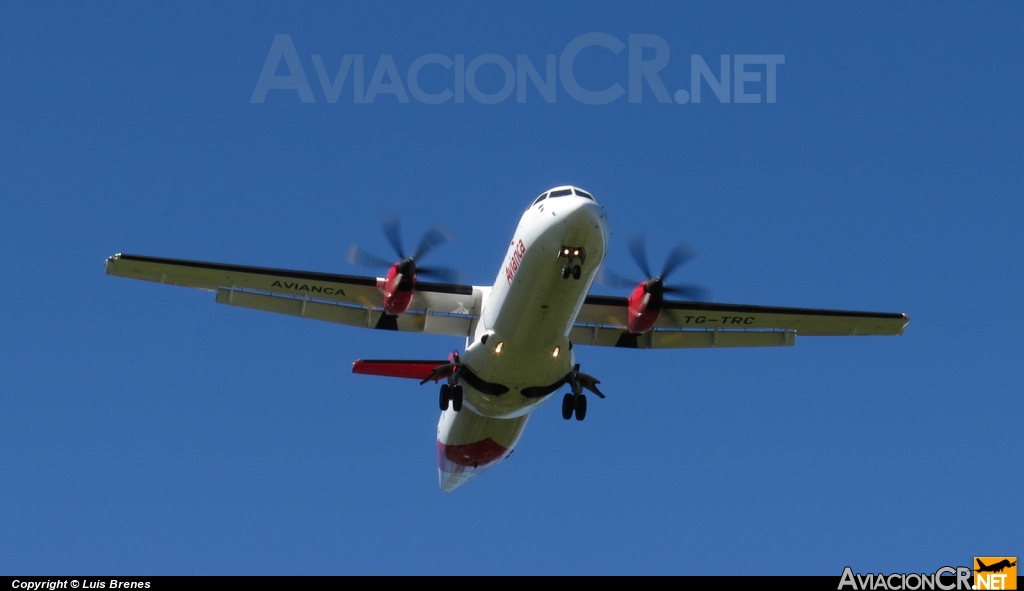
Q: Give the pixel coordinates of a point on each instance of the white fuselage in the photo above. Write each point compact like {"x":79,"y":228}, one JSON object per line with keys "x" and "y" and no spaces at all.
{"x":521,"y":341}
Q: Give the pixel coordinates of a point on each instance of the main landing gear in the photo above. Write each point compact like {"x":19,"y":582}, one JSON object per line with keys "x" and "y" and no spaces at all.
{"x":451,"y":394}
{"x":451,"y":390}
{"x":575,"y":402}
{"x":571,"y":254}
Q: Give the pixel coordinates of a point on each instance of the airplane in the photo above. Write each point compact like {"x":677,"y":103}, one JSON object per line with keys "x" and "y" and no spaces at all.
{"x":995,"y":568}
{"x":521,"y":332}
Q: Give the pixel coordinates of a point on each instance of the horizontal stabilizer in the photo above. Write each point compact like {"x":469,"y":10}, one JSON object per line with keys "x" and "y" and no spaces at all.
{"x":398,"y":368}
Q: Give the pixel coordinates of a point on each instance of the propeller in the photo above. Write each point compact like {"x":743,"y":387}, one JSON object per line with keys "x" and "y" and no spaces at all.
{"x":678,"y":256}
{"x":407,"y":265}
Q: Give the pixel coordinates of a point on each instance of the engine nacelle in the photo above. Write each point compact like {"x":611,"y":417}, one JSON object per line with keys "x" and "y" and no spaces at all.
{"x":399,"y":287}
{"x":644,"y":307}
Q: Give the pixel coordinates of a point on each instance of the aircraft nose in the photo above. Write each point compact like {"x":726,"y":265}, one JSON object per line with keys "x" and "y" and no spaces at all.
{"x":587,"y":209}
{"x":584,"y":212}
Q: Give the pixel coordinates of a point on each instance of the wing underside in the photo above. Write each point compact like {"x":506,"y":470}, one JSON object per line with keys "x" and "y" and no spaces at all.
{"x":602,"y":321}
{"x":448,"y":309}
{"x":437,"y":308}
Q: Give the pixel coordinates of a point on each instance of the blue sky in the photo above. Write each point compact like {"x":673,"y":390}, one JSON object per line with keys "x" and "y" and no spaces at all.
{"x":147,"y":430}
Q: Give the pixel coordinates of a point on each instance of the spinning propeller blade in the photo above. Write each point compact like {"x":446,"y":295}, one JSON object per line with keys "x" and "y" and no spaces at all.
{"x":393,"y":232}
{"x":446,"y":274}
{"x":610,"y":278}
{"x":639,"y":251}
{"x":432,"y":238}
{"x":677,"y":257}
{"x":690,"y":292}
{"x":360,"y":257}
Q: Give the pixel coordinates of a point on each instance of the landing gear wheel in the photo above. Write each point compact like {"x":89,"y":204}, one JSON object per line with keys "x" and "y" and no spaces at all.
{"x":567,"y":407}
{"x":576,"y":272}
{"x":566,"y":271}
{"x":446,"y":395}
{"x":457,"y":398}
{"x":581,"y":407}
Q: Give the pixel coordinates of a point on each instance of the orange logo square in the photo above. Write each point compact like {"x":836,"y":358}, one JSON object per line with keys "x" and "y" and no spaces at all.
{"x":995,"y":572}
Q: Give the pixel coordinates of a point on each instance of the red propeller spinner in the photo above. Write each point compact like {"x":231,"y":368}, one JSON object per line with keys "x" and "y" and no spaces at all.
{"x":647,"y":296}
{"x":400,"y":281}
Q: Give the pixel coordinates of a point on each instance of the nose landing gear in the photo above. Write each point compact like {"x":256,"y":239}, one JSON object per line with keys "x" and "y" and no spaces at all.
{"x":571,"y":254}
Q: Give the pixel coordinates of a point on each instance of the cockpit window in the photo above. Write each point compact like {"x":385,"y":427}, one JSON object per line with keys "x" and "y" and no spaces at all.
{"x":561,"y":193}
{"x":584,"y":194}
{"x":539,"y":199}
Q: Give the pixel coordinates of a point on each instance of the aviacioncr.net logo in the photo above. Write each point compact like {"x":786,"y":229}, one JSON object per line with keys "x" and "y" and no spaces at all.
{"x":941,"y":580}
{"x":490,"y":78}
{"x":995,"y":572}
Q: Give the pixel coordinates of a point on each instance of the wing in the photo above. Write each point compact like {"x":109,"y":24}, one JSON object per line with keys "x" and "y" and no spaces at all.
{"x":602,"y":321}
{"x":437,"y":308}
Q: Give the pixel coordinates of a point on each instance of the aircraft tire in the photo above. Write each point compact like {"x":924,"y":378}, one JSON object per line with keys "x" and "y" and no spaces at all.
{"x":581,"y":407}
{"x":457,"y":398}
{"x":576,"y":272}
{"x":567,"y":406}
{"x":446,"y":394}
{"x":566,"y":271}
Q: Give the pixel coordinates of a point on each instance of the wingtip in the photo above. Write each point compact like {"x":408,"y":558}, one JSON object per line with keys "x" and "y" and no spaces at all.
{"x":903,"y":327}
{"x":110,"y":261}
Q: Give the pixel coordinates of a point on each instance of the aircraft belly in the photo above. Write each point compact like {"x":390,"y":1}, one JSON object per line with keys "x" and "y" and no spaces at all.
{"x":514,"y":382}
{"x":530,"y":311}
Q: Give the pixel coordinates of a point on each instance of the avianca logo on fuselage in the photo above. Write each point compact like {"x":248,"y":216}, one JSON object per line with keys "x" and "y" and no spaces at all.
{"x":309,"y":288}
{"x":513,"y":264}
